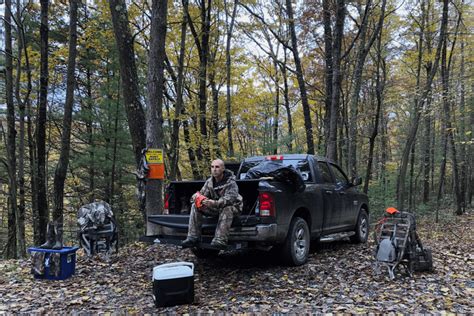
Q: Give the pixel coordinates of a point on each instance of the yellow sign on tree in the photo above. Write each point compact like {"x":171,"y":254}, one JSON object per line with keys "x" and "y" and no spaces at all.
{"x":154,"y":156}
{"x":154,"y":159}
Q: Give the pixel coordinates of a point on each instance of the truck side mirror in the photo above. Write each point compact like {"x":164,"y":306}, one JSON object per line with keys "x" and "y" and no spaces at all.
{"x":356,"y":181}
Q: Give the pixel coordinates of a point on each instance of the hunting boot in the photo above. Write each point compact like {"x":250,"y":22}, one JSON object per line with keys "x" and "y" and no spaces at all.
{"x":58,"y":232}
{"x":190,"y":241}
{"x":49,"y":237}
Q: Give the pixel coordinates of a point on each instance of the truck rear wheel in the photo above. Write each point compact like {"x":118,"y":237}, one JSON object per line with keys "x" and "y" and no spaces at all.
{"x":205,"y":253}
{"x":296,"y":247}
{"x":362,"y":228}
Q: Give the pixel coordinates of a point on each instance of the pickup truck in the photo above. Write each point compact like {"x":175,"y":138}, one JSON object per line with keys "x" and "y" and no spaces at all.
{"x":275,"y":216}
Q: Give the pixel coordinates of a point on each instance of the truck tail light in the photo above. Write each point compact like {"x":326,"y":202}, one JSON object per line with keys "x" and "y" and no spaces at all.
{"x":266,"y":204}
{"x":166,"y":204}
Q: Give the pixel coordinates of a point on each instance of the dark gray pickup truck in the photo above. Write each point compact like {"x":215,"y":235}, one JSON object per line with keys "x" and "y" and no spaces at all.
{"x":275,"y":215}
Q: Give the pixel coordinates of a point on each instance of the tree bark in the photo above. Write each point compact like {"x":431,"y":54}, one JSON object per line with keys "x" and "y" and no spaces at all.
{"x":301,"y":83}
{"x":462,"y":130}
{"x":426,"y":154}
{"x":287,"y":103}
{"x":43,"y":211}
{"x":114,"y":154}
{"x":336,"y":79}
{"x":129,"y":77}
{"x":11,"y":247}
{"x":178,"y":111}
{"x":154,"y":113}
{"x":215,"y":114}
{"x":20,"y":218}
{"x":412,"y":172}
{"x":90,"y":135}
{"x":228,"y":80}
{"x":328,"y":69}
{"x":276,"y":116}
{"x":61,"y":168}
{"x":215,"y":87}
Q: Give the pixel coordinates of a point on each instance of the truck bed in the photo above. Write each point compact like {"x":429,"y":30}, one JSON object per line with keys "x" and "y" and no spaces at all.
{"x":179,"y":196}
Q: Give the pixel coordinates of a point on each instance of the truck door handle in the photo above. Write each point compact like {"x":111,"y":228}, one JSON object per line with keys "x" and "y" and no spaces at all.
{"x":342,"y":193}
{"x":328,"y":192}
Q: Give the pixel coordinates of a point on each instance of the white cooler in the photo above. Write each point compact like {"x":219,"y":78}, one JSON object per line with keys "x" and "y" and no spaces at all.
{"x":173,"y":284}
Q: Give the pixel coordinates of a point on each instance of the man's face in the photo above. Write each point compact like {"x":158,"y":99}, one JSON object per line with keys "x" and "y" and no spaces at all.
{"x":217,"y":168}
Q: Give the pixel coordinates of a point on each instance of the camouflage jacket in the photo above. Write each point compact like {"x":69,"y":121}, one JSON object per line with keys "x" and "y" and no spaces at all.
{"x":226,"y":193}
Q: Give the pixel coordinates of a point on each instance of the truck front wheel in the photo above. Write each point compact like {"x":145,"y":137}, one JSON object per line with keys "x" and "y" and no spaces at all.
{"x":296,"y":247}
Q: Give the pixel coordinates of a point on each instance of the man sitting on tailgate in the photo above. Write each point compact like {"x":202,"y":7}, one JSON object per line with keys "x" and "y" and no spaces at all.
{"x":218,"y":197}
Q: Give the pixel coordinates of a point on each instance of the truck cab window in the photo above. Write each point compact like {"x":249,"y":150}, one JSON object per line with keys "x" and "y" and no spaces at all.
{"x":303,"y":167}
{"x":325,"y":173}
{"x":341,"y":178}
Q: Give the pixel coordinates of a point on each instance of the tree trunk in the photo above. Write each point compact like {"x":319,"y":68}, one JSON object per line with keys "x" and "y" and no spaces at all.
{"x":202,"y":44}
{"x":426,"y":154}
{"x":328,"y":69}
{"x":114,"y":153}
{"x":192,"y":156}
{"x":412,"y":171}
{"x":362,"y":53}
{"x":336,"y":79}
{"x":11,"y":248}
{"x":203,"y":59}
{"x":470,"y":190}
{"x":216,"y":152}
{"x":154,"y":113}
{"x":462,"y":131}
{"x":43,"y":211}
{"x":90,"y":135}
{"x":129,"y":77}
{"x":448,"y":130}
{"x":379,"y":91}
{"x":276,"y":116}
{"x":301,"y":83}
{"x":20,"y":218}
{"x":215,"y":114}
{"x":33,"y":167}
{"x":417,"y":111}
{"x":61,"y":168}
{"x":228,"y":82}
{"x":174,"y":148}
{"x":287,"y":103}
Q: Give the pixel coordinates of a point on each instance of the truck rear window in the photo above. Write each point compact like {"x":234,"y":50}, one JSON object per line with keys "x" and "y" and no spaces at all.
{"x":301,"y":165}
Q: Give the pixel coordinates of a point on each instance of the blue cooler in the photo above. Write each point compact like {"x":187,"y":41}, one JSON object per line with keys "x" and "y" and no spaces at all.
{"x":173,"y":284}
{"x":67,"y":262}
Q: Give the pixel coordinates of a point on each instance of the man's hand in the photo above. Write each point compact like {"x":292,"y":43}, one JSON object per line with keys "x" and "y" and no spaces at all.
{"x":209,"y":203}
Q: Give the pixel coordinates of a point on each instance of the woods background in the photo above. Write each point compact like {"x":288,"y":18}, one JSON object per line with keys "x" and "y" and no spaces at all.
{"x":383,"y":87}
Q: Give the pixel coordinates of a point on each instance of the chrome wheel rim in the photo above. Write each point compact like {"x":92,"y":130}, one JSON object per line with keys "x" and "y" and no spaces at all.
{"x":363,"y":227}
{"x":300,"y":243}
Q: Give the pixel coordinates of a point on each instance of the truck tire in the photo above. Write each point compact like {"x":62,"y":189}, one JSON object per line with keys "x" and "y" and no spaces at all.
{"x":362,"y":228}
{"x":204,"y":253}
{"x":295,"y":249}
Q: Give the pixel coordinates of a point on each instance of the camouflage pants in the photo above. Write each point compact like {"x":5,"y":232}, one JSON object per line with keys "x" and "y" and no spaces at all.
{"x":225,"y":214}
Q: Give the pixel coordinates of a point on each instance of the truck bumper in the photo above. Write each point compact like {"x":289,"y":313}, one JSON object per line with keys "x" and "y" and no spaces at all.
{"x":177,"y":225}
{"x":266,"y":233}
{"x":262,"y":232}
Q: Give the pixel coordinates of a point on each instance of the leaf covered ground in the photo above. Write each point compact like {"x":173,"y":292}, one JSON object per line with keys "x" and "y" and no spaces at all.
{"x":339,"y":277}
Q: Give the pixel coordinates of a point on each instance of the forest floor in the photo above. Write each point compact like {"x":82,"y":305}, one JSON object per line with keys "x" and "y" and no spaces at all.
{"x":339,"y":277}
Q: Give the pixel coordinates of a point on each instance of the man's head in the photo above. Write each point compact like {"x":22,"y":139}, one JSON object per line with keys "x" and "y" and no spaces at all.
{"x":217,"y":169}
